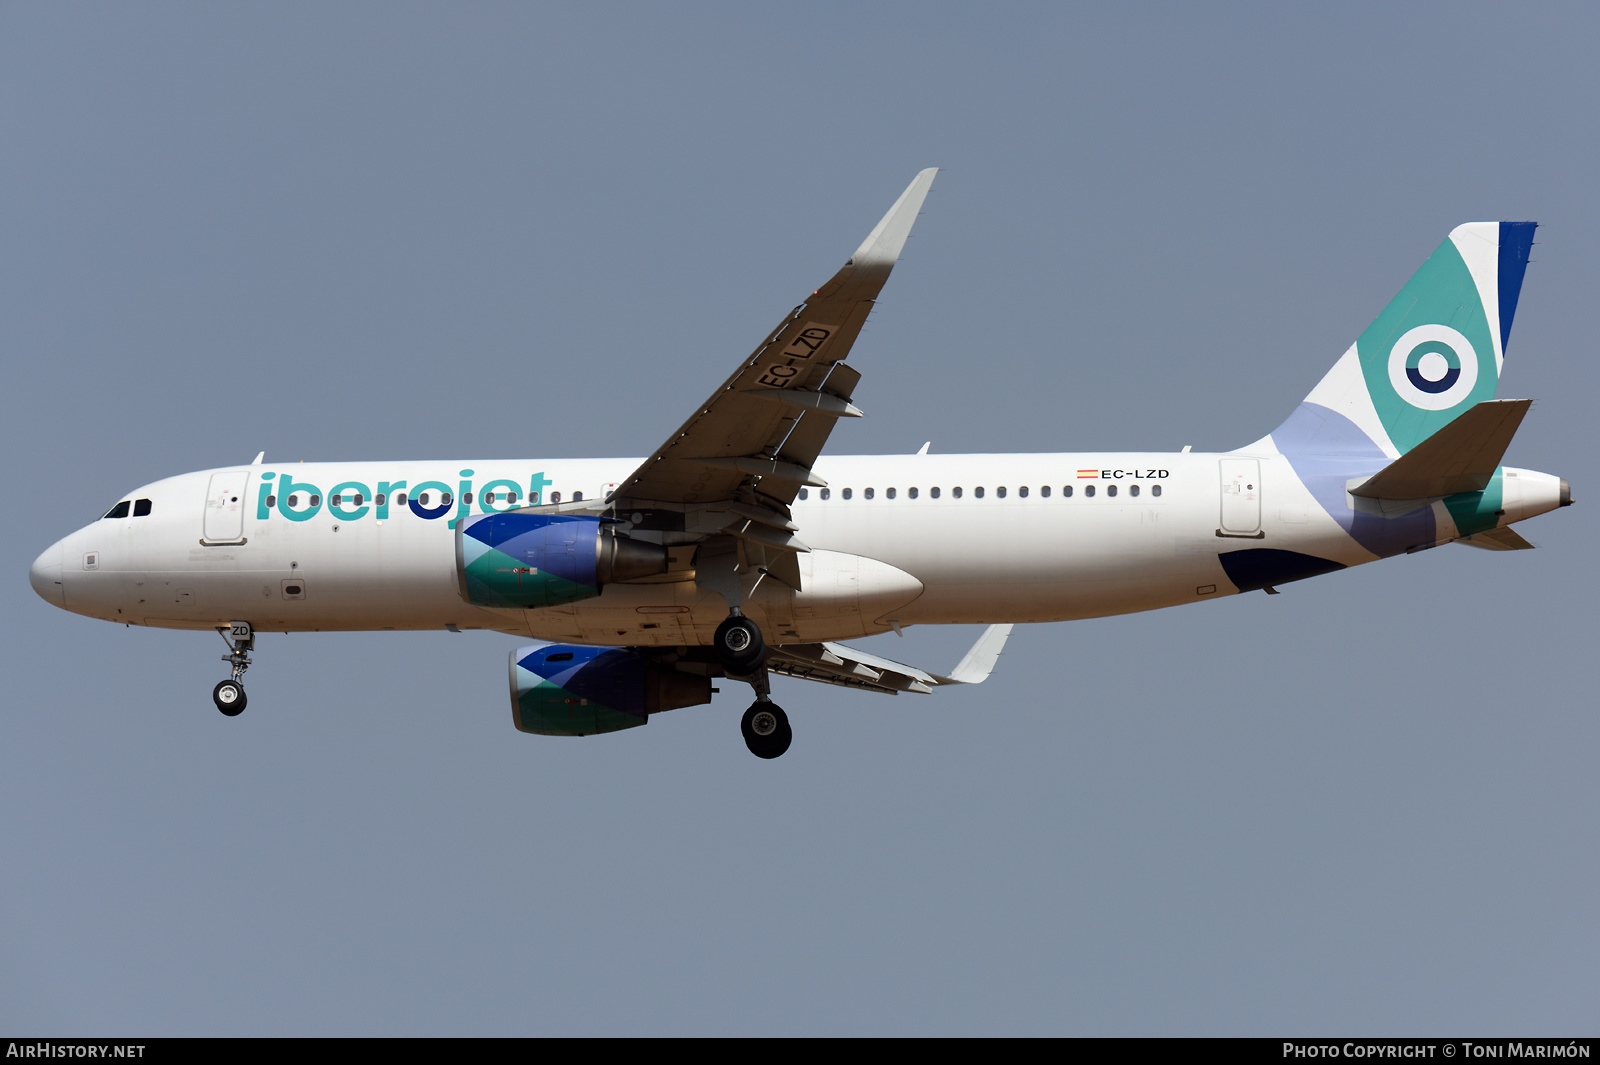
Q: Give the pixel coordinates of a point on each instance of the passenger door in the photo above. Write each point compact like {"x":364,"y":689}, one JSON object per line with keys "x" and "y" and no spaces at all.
{"x":225,"y":503}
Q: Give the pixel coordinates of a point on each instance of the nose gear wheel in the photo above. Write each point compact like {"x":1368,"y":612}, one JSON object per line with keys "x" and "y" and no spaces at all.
{"x":229,"y":697}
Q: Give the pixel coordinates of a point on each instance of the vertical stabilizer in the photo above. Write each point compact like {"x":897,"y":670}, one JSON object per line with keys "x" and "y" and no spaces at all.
{"x":1437,"y":348}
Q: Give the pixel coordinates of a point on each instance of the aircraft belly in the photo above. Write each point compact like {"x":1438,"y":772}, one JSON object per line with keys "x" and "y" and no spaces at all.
{"x":842,"y":597}
{"x":1029,"y":562}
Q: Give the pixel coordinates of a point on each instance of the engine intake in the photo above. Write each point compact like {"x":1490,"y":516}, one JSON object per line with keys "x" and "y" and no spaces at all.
{"x":528,"y":560}
{"x":570,"y":690}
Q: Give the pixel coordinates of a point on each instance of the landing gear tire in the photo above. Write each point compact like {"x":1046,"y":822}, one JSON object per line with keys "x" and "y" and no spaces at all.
{"x":739,"y":645}
{"x":229,"y":697}
{"x":766,"y":730}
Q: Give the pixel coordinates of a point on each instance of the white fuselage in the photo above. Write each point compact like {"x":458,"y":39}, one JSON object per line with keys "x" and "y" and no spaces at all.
{"x":898,"y":540}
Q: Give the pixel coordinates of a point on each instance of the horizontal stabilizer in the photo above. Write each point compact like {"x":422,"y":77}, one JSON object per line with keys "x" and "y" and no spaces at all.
{"x":1461,"y":457}
{"x":1497,"y":540}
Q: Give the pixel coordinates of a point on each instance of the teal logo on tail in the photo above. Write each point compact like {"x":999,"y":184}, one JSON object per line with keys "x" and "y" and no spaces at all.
{"x":1433,"y":367}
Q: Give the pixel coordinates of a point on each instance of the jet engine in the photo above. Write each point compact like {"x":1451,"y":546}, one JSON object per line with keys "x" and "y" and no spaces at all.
{"x":570,"y":690}
{"x":525,"y":559}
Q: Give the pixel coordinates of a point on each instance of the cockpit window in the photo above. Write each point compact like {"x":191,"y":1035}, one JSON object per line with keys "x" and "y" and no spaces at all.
{"x":141,"y":507}
{"x":119,"y":511}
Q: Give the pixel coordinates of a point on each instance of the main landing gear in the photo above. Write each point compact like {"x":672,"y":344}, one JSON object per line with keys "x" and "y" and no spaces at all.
{"x":229,"y":694}
{"x":766,"y":728}
{"x":739,"y":645}
{"x":743,"y":653}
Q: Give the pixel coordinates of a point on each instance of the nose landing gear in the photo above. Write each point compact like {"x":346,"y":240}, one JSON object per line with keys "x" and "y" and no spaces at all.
{"x":229,"y":694}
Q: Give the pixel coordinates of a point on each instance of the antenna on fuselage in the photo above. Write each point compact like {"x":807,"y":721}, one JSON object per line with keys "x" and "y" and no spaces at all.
{"x":259,"y":456}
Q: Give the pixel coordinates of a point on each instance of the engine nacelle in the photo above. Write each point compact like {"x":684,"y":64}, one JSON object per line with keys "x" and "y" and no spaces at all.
{"x":525,"y":559}
{"x":571,"y":690}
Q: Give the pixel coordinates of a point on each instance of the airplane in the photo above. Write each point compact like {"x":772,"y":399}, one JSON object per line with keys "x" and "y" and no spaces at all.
{"x":738,"y":550}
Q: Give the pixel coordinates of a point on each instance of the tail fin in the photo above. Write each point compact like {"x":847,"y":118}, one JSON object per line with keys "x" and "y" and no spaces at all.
{"x":1437,"y":349}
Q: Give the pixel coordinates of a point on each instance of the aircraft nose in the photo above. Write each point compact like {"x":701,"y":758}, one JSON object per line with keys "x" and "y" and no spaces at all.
{"x":46,"y":578}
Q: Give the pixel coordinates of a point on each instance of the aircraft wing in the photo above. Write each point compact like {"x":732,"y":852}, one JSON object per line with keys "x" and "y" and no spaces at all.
{"x":764,"y":427}
{"x":834,"y":663}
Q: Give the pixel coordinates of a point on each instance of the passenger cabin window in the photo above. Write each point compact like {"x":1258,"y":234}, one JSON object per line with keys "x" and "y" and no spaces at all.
{"x":577,"y":497}
{"x":1066,"y":491}
{"x":1044,"y":490}
{"x":1111,"y":489}
{"x":378,"y":499}
{"x":272,"y":501}
{"x":1023,"y":491}
{"x":912,"y":492}
{"x":804,"y":494}
{"x":399,"y":499}
{"x":888,"y":493}
{"x":934,"y":492}
{"x":826,"y":492}
{"x":956,"y":491}
{"x":978,"y":491}
{"x":1088,"y":490}
{"x":466,"y":497}
{"x":1133,"y":489}
{"x":555,"y":497}
{"x":445,"y":498}
{"x":141,"y":507}
{"x":120,"y":510}
{"x":868,"y":493}
{"x":847,"y":493}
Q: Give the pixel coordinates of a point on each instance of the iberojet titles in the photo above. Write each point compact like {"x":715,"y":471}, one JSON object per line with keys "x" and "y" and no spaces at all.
{"x":284,"y":486}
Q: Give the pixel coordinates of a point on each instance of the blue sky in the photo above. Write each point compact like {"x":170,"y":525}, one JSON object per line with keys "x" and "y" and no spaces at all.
{"x":396,"y":231}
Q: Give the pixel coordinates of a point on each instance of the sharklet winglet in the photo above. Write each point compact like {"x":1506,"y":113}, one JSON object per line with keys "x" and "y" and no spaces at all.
{"x":979,"y":662}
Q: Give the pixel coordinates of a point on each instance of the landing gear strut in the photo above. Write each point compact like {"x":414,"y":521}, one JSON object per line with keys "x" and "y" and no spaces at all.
{"x":229,"y":694}
{"x":722,"y":566}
